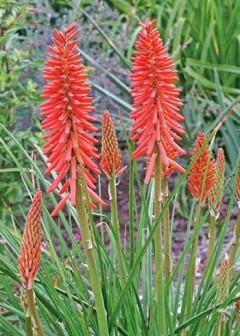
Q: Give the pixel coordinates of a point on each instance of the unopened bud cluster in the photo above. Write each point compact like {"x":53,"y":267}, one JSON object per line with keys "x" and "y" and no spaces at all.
{"x":30,"y":250}
{"x":110,"y":156}
{"x":223,"y":282}
{"x":215,"y":193}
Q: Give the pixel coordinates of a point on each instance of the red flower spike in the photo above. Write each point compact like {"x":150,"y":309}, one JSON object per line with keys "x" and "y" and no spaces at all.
{"x":30,"y":249}
{"x":68,"y":121}
{"x":197,"y":173}
{"x":156,"y":101}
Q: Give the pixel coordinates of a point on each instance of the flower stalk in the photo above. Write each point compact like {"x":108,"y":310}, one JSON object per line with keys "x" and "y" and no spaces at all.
{"x":115,"y":226}
{"x":159,"y":282}
{"x":211,"y":236}
{"x":32,"y":311}
{"x":89,"y":251}
{"x":111,"y":166}
{"x":166,"y":234}
{"x":192,"y":269}
{"x":222,"y":294}
{"x":28,"y":318}
{"x":156,"y":130}
{"x":28,"y":324}
{"x":235,"y":244}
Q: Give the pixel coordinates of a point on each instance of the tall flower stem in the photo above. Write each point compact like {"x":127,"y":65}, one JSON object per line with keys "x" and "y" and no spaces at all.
{"x":234,"y":246}
{"x":92,"y":267}
{"x":115,"y":226}
{"x":161,"y":324}
{"x":211,"y":236}
{"x":192,"y":269}
{"x":166,"y":234}
{"x":28,"y":324}
{"x":219,"y":326}
{"x":32,"y":311}
{"x":222,"y":294}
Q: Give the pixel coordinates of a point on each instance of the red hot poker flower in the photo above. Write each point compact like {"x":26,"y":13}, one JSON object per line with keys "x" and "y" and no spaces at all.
{"x":198,"y":177}
{"x":68,"y":120}
{"x":30,"y":249}
{"x":156,"y":100}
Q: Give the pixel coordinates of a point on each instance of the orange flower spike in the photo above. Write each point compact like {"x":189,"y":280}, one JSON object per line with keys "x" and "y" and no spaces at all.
{"x":216,"y":190}
{"x":238,"y":185}
{"x":68,"y":119}
{"x":197,"y":174}
{"x":30,"y":249}
{"x":156,"y":100}
{"x":110,"y":156}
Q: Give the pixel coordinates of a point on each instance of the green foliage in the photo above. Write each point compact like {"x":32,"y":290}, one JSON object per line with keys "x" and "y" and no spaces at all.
{"x":17,"y":92}
{"x":203,"y":37}
{"x":19,"y":95}
{"x":63,"y":295}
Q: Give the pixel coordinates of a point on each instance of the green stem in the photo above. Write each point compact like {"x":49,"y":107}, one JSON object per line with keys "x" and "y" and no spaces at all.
{"x":218,"y":328}
{"x":211,"y":246}
{"x":117,"y":245}
{"x":131,"y":211}
{"x":235,"y":244}
{"x":92,"y":267}
{"x":32,"y":311}
{"x":161,"y":322}
{"x":211,"y":236}
{"x":115,"y":226}
{"x":166,"y":233}
{"x":192,"y":270}
{"x":28,"y":324}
